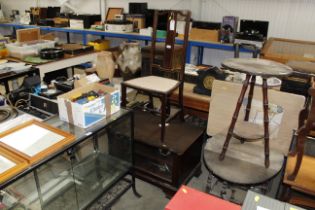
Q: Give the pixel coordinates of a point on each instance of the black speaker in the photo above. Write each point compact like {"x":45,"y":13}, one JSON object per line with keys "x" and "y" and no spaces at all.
{"x":137,"y":8}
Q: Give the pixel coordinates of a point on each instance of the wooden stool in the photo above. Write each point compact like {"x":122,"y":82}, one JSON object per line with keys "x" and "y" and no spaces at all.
{"x":252,"y":68}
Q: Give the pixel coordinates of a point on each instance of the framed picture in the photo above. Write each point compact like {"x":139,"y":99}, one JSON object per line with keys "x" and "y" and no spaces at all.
{"x":10,"y":164}
{"x":34,"y":140}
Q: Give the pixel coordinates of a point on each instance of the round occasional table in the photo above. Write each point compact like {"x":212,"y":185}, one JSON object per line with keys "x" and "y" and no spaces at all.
{"x":242,"y":169}
{"x":253,"y":67}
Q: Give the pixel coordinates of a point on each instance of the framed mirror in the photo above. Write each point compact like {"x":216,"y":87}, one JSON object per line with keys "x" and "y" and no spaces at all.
{"x":34,"y":140}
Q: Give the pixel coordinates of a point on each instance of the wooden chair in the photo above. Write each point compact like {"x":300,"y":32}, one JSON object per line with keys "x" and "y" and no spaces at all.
{"x":158,"y":86}
{"x":306,"y":125}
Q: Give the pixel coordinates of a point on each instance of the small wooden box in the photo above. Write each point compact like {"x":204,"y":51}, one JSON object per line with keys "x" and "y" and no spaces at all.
{"x":204,"y":35}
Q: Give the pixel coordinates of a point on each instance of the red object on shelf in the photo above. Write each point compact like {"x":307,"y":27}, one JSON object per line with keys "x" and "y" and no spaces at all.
{"x":190,"y":199}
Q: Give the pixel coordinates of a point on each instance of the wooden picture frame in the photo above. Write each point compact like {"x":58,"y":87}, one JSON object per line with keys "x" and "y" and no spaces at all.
{"x":20,"y":164}
{"x":40,"y":140}
{"x":28,"y":35}
{"x":112,"y":11}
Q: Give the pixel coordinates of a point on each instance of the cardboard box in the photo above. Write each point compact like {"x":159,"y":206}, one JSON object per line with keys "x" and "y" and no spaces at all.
{"x":78,"y":24}
{"x":85,"y":115}
{"x":204,"y":35}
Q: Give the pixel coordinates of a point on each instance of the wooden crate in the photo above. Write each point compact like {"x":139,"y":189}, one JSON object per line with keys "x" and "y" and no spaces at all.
{"x":205,"y":35}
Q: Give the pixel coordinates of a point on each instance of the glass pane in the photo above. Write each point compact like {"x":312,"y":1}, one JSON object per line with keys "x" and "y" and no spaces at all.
{"x":57,"y":184}
{"x":22,"y":194}
{"x":94,"y":171}
{"x":119,"y":139}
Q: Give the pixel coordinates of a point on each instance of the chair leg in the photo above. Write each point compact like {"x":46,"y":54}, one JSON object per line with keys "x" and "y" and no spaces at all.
{"x":302,"y":117}
{"x":266,"y":121}
{"x":163,"y":118}
{"x":250,"y":97}
{"x":181,"y":101}
{"x":234,"y":118}
{"x":151,"y":105}
{"x":123,"y":95}
{"x":299,"y":157}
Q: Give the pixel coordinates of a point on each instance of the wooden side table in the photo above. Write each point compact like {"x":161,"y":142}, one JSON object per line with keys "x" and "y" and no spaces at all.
{"x":253,"y":67}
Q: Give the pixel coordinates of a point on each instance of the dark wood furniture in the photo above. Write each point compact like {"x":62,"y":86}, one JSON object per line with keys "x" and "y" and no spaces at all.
{"x":167,"y":170}
{"x":162,"y":87}
{"x":306,"y":125}
{"x":252,"y":68}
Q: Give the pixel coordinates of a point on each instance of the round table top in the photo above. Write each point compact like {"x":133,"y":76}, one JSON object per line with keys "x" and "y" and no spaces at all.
{"x":243,"y":163}
{"x":257,"y":67}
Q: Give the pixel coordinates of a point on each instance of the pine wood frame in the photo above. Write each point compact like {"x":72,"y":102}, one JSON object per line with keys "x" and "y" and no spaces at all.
{"x":44,"y":153}
{"x":20,"y":164}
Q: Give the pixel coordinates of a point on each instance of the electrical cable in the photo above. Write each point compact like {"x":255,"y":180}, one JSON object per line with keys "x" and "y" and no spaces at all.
{"x":4,"y":114}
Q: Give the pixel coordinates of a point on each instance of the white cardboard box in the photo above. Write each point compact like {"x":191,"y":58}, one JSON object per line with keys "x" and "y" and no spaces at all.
{"x":77,"y":24}
{"x":85,"y":115}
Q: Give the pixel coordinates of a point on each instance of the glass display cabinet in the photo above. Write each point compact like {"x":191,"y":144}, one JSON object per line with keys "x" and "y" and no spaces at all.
{"x":76,"y":175}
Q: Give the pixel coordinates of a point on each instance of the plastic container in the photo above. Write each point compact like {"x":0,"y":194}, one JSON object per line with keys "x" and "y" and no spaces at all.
{"x":100,"y":45}
{"x":21,"y":50}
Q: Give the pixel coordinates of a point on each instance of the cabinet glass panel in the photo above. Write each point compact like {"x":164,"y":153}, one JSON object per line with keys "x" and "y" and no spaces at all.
{"x":56,"y":184}
{"x":21,"y":195}
{"x":102,"y":161}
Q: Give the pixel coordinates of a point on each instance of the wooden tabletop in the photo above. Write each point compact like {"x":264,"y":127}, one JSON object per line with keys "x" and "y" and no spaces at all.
{"x":258,"y":67}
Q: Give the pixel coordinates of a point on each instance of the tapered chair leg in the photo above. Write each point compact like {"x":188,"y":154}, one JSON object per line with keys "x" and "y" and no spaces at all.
{"x":299,"y":157}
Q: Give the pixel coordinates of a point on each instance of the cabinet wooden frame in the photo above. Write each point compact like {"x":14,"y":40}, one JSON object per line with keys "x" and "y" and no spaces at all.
{"x":20,"y":164}
{"x":45,"y":152}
